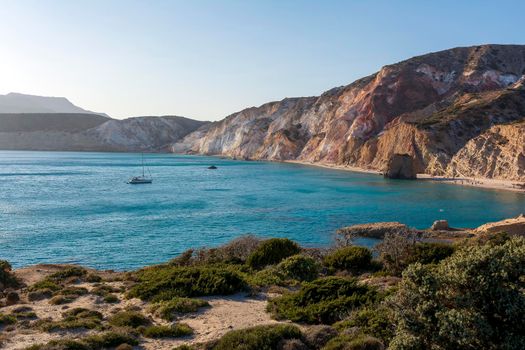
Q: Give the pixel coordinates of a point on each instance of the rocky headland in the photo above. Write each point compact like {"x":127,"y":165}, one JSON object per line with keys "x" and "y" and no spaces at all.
{"x":453,"y":113}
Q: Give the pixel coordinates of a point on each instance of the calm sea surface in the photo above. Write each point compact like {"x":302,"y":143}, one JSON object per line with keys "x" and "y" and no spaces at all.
{"x":58,"y":207}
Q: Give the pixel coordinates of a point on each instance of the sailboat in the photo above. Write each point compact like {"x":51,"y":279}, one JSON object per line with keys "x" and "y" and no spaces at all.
{"x":137,"y":180}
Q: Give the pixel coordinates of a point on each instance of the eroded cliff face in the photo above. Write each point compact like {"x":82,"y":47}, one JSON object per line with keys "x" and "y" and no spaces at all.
{"x":497,"y":153}
{"x":429,"y":107}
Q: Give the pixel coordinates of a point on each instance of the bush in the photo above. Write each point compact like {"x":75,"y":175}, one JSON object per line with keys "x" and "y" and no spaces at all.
{"x":430,"y":253}
{"x":233,"y":252}
{"x":173,"y":331}
{"x":378,"y":322}
{"x":299,"y":267}
{"x":131,"y":319}
{"x":74,"y":291}
{"x":167,"y":282}
{"x":73,"y":319}
{"x":93,"y":342}
{"x":257,"y":338}
{"x":61,"y":299}
{"x":39,"y":294}
{"x":399,"y":251}
{"x":346,"y":342}
{"x":318,"y":336}
{"x":471,"y":300}
{"x":6,"y":320}
{"x":291,"y":270}
{"x":23,"y":312}
{"x":104,"y":289}
{"x":93,"y":278}
{"x":68,"y":272}
{"x":167,"y":309}
{"x":45,"y":284}
{"x":7,"y":279}
{"x":271,"y":252}
{"x":111,"y":299}
{"x":325,"y":300}
{"x":352,"y":258}
{"x":109,"y":340}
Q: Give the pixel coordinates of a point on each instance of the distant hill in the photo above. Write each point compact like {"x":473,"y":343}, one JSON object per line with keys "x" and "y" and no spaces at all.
{"x":91,"y":132}
{"x":30,"y":122}
{"x":22,"y":103}
{"x":66,"y":122}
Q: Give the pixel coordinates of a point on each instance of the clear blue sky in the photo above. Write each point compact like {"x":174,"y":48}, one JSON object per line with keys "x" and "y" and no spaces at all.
{"x":207,"y":59}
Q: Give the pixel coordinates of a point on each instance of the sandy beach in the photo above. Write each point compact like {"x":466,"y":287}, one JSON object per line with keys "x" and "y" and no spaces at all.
{"x":496,"y":184}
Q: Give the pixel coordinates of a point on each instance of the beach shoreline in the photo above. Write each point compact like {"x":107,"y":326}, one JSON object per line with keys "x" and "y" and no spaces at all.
{"x":486,"y":183}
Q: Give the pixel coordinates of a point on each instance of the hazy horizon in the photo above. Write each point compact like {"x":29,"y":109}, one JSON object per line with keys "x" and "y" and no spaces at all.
{"x":207,"y":60}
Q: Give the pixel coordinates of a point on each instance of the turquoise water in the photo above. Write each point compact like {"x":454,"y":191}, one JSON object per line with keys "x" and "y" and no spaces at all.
{"x":58,"y":207}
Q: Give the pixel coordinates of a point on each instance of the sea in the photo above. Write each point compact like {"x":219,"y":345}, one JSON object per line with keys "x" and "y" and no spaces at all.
{"x":76,"y":207}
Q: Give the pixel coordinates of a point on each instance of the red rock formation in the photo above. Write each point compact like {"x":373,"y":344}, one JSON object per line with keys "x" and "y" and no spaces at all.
{"x":428,"y":107}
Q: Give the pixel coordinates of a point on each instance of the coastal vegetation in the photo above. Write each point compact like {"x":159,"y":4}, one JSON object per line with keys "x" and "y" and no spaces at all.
{"x":409,"y":293}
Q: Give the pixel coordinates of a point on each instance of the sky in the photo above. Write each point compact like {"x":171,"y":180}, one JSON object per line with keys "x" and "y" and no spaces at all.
{"x":208,"y":59}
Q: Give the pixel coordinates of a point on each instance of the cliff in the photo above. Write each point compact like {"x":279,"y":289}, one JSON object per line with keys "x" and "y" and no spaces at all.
{"x":447,"y":110}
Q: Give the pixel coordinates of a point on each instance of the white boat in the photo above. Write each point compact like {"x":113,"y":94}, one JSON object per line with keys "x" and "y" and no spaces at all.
{"x":137,"y":180}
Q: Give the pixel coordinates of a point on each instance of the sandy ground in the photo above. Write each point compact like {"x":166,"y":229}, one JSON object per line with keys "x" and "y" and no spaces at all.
{"x":506,"y":185}
{"x":495,"y":184}
{"x":224,"y":314}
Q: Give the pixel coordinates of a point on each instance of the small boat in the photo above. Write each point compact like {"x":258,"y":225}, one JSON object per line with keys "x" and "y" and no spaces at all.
{"x":212,"y":167}
{"x":138,"y":180}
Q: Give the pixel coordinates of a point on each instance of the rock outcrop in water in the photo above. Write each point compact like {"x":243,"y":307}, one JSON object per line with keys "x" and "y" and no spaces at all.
{"x":454,"y":112}
{"x":401,"y":166}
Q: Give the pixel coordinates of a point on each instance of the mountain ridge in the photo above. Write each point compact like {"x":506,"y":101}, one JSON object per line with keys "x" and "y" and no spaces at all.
{"x":15,"y":102}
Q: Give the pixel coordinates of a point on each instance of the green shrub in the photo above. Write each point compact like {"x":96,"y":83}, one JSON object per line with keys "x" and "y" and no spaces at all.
{"x":167,"y":282}
{"x":74,"y":291}
{"x":111,"y":298}
{"x":184,"y":347}
{"x":317,"y":336}
{"x":73,"y":319}
{"x":325,"y":300}
{"x":45,"y":284}
{"x":346,"y":342}
{"x":296,"y":268}
{"x":271,"y":252}
{"x":6,"y":320}
{"x":233,"y":252}
{"x":257,"y":338}
{"x":104,"y":289}
{"x":352,"y":258}
{"x":7,"y":279}
{"x":131,"y":319}
{"x":94,"y":342}
{"x":167,"y":309}
{"x":109,"y":340}
{"x":39,"y":294}
{"x":472,"y":300}
{"x":299,"y":267}
{"x":62,"y":299}
{"x":23,"y":312}
{"x":430,"y":253}
{"x":173,"y":331}
{"x":68,"y":272}
{"x":80,"y":312}
{"x":378,"y":322}
{"x":93,"y":278}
